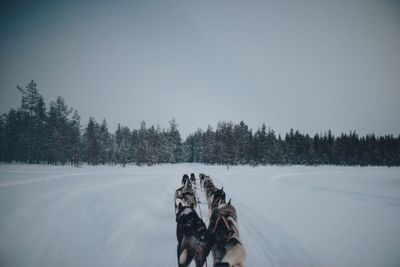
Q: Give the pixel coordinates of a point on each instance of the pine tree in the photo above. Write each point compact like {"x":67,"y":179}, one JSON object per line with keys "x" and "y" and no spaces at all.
{"x":2,"y":138}
{"x":208,"y":146}
{"x":13,"y":131}
{"x":58,"y":132}
{"x":142,"y":145}
{"x":242,"y":144}
{"x":91,"y":140}
{"x":260,"y":142}
{"x":105,"y":143}
{"x":225,"y":143}
{"x":154,"y":145}
{"x":33,"y":116}
{"x":271,"y":147}
{"x":123,"y":143}
{"x":174,"y":143}
{"x":75,"y":139}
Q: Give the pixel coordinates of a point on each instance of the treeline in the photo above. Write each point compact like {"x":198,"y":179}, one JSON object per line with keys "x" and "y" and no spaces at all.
{"x":34,"y":134}
{"x":236,"y":144}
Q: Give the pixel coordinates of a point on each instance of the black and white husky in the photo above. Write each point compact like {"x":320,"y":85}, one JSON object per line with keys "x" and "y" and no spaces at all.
{"x":201,"y":176}
{"x":193,"y":178}
{"x":227,"y":248}
{"x":185,"y":178}
{"x":185,"y":196}
{"x":193,"y":237}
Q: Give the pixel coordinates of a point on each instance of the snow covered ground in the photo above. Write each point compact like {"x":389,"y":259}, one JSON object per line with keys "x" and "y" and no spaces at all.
{"x":114,"y":216}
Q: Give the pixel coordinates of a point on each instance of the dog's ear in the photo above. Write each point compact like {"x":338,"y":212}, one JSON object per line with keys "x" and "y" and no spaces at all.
{"x":222,"y":189}
{"x":229,"y":202}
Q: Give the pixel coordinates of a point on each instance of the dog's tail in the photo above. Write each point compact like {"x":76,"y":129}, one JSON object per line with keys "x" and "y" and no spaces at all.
{"x":187,"y":250}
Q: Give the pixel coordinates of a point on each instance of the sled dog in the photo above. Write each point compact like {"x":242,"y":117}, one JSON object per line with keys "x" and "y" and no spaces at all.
{"x":216,"y":198}
{"x":193,"y":237}
{"x":207,"y":182}
{"x":193,"y":178}
{"x":227,"y":248}
{"x":185,"y":196}
{"x":201,"y":176}
{"x":185,"y":178}
{"x":210,"y":191}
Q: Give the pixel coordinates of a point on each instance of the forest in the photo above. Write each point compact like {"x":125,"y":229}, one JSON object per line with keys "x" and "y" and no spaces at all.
{"x":35,"y":134}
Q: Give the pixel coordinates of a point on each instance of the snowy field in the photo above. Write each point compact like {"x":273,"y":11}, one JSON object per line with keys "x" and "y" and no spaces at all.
{"x":114,"y":216}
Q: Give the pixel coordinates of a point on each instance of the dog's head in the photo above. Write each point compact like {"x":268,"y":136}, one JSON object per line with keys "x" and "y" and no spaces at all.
{"x":185,"y":177}
{"x":226,"y":210}
{"x":229,"y":212}
{"x":207,"y":179}
{"x":218,"y":197}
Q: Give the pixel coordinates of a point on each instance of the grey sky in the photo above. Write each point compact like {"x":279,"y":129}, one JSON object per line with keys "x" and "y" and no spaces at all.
{"x":313,"y":66}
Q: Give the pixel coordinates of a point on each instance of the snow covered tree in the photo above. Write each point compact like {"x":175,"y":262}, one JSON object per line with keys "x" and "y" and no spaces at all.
{"x":124,"y":153}
{"x":92,"y":143}
{"x":105,"y":143}
{"x":174,"y":143}
{"x":142,"y":145}
{"x":75,"y":139}
{"x":58,"y":130}
{"x":33,"y":116}
{"x":208,"y":148}
{"x":243,"y":143}
{"x":2,"y":139}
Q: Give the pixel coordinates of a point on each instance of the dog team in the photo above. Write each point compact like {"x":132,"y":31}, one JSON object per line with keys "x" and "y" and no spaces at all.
{"x":195,"y":240}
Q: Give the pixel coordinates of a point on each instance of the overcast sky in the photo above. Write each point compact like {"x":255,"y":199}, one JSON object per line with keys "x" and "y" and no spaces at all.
{"x":312,"y":66}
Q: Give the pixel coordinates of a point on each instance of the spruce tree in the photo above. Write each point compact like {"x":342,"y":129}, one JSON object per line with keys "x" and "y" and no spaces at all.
{"x":91,"y":140}
{"x":58,"y":132}
{"x":33,"y":115}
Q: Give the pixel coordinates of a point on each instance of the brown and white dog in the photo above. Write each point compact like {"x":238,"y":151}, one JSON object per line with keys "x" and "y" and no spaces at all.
{"x":214,"y":195}
{"x":227,"y":248}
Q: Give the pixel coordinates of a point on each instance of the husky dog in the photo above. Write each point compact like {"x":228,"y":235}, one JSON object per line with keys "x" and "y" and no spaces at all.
{"x":193,"y":237}
{"x":185,"y":182}
{"x":210,"y":190}
{"x":192,"y":178}
{"x":207,"y":182}
{"x":184,"y":179}
{"x":208,"y":185}
{"x":189,"y":195}
{"x":185,"y":196}
{"x":227,"y":249}
{"x":201,"y":175}
{"x":217,"y":198}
